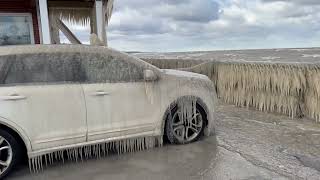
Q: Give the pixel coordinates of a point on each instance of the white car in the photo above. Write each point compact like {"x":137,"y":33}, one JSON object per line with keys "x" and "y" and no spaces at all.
{"x":78,"y":101}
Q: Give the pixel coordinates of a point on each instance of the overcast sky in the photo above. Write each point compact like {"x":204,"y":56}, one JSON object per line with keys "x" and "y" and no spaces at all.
{"x":192,"y":25}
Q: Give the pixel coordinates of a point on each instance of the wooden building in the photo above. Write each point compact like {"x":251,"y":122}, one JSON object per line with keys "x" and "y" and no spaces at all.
{"x":39,"y":21}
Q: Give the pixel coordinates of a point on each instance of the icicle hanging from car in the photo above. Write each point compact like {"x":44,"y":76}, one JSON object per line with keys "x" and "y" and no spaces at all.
{"x":80,"y":153}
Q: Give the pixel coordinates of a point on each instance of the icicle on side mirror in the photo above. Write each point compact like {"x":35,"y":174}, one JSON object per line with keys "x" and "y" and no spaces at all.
{"x":149,"y":75}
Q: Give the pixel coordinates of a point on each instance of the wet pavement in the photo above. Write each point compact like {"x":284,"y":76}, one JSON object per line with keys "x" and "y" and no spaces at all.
{"x":248,"y":145}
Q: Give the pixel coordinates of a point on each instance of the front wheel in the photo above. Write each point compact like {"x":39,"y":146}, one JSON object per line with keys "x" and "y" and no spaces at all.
{"x":182,"y":130}
{"x":9,"y":153}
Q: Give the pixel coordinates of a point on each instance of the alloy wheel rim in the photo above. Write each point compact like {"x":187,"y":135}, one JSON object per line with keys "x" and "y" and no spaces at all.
{"x":5,"y":155}
{"x":188,"y":129}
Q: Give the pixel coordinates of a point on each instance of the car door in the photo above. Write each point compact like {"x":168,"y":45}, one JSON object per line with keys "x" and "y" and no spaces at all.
{"x":41,"y":93}
{"x":116,"y":99}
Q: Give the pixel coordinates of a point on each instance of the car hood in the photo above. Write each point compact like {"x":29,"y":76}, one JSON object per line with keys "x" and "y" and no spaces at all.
{"x":184,"y":74}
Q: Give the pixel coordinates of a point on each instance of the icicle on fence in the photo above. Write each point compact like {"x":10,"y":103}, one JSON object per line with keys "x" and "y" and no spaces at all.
{"x":81,"y":153}
{"x":266,"y":87}
{"x":289,"y":89}
{"x":312,"y":94}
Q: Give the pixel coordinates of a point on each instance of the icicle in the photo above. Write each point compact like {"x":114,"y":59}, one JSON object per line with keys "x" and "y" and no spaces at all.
{"x":52,"y":158}
{"x":96,"y":150}
{"x":36,"y":164}
{"x":32,"y":165}
{"x":55,"y":155}
{"x":34,"y":168}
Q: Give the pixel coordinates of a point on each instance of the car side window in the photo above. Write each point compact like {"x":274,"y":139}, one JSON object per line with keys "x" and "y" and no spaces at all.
{"x":41,"y":68}
{"x":101,"y":68}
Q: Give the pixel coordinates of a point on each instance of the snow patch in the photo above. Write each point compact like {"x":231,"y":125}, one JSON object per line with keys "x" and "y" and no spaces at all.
{"x":269,"y":58}
{"x":230,"y":55}
{"x":310,"y":55}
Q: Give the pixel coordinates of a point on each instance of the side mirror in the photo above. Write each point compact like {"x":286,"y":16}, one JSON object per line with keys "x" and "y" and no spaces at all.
{"x":149,"y":75}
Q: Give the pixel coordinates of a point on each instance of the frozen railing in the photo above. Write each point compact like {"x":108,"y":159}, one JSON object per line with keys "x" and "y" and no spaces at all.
{"x":287,"y":82}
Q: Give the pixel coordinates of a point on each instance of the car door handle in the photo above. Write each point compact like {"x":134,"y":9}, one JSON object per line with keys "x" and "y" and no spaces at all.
{"x":13,"y":97}
{"x":100,"y":93}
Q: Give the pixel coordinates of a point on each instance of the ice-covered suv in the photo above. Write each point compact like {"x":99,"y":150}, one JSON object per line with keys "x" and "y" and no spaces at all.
{"x":78,"y":101}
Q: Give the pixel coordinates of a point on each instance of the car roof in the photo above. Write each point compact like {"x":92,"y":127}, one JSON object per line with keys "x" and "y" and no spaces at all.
{"x":82,"y":49}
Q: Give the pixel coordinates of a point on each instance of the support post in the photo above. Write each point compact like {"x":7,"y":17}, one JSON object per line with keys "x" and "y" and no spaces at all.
{"x":44,"y":18}
{"x":55,"y":36}
{"x":100,"y":20}
{"x":93,"y":24}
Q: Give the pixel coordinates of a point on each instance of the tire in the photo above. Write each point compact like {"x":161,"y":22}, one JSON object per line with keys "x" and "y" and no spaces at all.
{"x":171,"y":125}
{"x":10,"y":155}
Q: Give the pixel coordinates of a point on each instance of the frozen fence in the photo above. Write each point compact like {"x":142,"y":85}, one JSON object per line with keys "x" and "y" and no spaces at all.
{"x":290,"y":88}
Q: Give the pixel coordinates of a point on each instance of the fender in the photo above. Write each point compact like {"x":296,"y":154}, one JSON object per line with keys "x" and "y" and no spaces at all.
{"x":15,"y":127}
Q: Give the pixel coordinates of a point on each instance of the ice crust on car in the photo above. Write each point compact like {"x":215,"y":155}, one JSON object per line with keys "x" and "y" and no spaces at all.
{"x":72,"y":63}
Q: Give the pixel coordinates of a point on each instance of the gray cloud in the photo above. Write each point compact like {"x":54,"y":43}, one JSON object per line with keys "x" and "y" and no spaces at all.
{"x":301,"y":2}
{"x":161,"y":16}
{"x":195,"y":11}
{"x":141,"y":4}
{"x":181,"y":25}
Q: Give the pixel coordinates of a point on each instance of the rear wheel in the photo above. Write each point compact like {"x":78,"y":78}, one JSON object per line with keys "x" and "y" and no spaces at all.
{"x":184,"y":130}
{"x":9,"y":153}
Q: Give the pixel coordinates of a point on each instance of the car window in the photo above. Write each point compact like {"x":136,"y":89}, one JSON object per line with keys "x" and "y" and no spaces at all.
{"x":41,"y":68}
{"x":109,"y":68}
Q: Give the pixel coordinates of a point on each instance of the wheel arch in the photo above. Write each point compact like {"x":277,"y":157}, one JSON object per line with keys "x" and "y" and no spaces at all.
{"x":199,"y":101}
{"x":17,"y":132}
